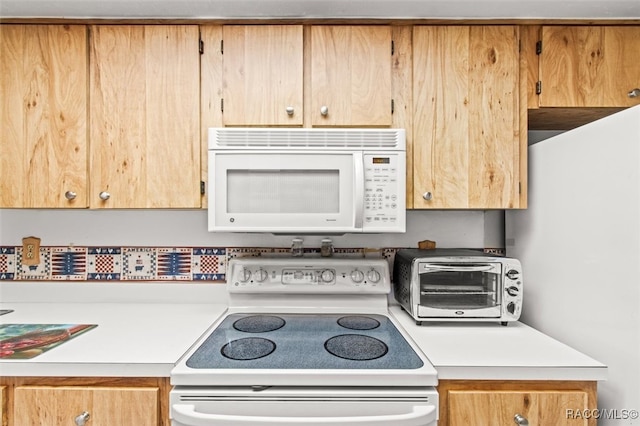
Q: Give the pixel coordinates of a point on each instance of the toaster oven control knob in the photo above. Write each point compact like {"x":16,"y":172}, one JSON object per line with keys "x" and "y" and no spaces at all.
{"x":513,"y":274}
{"x":373,"y":276}
{"x":357,"y":276}
{"x":261,"y":275}
{"x":327,"y":276}
{"x":512,"y":291}
{"x":245,"y":275}
{"x":511,"y":308}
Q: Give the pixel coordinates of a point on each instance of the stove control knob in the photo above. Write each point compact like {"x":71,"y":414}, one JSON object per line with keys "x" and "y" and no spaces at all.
{"x":245,"y":275}
{"x":261,"y":275}
{"x":373,"y":276}
{"x":357,"y":276}
{"x":327,"y":276}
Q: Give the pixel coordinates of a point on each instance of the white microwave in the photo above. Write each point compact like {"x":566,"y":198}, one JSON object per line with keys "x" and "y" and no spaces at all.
{"x":306,"y":181}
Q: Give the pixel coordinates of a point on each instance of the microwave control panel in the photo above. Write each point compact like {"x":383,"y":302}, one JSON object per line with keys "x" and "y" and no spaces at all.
{"x":384,"y":191}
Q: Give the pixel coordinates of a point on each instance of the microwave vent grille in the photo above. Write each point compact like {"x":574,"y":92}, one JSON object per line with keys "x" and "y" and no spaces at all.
{"x":308,"y":138}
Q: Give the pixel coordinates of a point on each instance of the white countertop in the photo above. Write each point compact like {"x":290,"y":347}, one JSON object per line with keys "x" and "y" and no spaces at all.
{"x":490,"y":351}
{"x":138,"y":338}
{"x":144,"y":329}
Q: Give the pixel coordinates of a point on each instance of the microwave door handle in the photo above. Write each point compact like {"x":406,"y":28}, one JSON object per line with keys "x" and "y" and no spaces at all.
{"x":466,"y":268}
{"x":358,"y":193}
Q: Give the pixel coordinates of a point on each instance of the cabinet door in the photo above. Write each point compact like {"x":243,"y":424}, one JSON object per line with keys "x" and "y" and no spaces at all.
{"x":43,"y":405}
{"x":3,"y":406}
{"x":144,"y":88}
{"x":497,"y":408}
{"x":43,"y":110}
{"x":466,"y":117}
{"x":589,"y":66}
{"x":350,"y":76}
{"x":262,"y":72}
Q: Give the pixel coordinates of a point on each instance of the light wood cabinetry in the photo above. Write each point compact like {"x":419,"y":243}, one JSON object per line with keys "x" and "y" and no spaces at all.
{"x":39,"y":401}
{"x":43,"y":116}
{"x":263,"y":75}
{"x":468,"y":150}
{"x":144,"y":120}
{"x":295,"y":75}
{"x":3,"y":406}
{"x":350,"y":75}
{"x":589,"y":66}
{"x":487,"y":403}
{"x":39,"y":405}
{"x":582,"y":73}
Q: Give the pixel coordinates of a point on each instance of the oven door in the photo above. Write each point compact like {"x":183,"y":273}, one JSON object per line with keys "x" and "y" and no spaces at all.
{"x":459,"y":290}
{"x":285,"y":192}
{"x":300,"y":407}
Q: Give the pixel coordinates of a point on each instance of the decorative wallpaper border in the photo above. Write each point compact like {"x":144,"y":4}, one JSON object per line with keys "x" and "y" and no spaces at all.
{"x":140,"y":264}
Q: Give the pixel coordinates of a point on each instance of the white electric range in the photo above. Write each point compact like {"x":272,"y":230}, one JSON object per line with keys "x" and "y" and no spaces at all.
{"x":305,"y":341}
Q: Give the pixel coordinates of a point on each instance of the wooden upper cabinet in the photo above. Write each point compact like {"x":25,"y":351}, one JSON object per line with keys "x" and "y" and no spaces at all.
{"x":144,"y":129}
{"x":589,"y":66}
{"x":48,"y":405}
{"x":43,"y":104}
{"x":262,"y":75}
{"x":350,"y":76}
{"x":466,"y":137}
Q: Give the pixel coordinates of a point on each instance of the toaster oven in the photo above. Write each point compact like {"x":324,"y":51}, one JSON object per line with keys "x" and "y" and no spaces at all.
{"x":458,"y":285}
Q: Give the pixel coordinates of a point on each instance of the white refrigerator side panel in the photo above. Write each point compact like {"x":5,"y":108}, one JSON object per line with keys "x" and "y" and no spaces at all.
{"x":579,"y":244}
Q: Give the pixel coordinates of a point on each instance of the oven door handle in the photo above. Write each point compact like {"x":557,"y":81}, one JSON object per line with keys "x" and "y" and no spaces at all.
{"x":187,"y":415}
{"x":465,"y":268}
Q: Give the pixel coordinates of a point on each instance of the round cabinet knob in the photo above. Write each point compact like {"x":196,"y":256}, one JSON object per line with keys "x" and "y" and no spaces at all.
{"x":82,"y":418}
{"x":289,"y":110}
{"x":357,"y":276}
{"x":70,"y":195}
{"x":261,"y":275}
{"x":327,"y":276}
{"x":324,"y":110}
{"x":245,"y":275}
{"x":373,"y":276}
{"x":634,"y":93}
{"x":520,"y":420}
{"x":427,"y":196}
{"x":104,"y":195}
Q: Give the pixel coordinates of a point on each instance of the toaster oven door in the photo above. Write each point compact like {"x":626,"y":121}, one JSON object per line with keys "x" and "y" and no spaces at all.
{"x":466,"y":290}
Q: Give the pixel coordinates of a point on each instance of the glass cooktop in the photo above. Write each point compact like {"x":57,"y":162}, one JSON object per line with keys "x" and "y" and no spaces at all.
{"x":305,"y":341}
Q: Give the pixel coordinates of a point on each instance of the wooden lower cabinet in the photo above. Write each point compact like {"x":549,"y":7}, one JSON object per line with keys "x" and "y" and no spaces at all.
{"x":498,"y":403}
{"x":104,"y":401}
{"x":3,"y":406}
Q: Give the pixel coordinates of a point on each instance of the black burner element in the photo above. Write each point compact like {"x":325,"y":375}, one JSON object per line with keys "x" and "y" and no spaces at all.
{"x":258,"y":324}
{"x":248,"y":348}
{"x":355,"y":347}
{"x":355,"y":322}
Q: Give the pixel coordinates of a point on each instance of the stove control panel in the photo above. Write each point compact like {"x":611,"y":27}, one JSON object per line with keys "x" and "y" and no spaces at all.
{"x":301,"y":275}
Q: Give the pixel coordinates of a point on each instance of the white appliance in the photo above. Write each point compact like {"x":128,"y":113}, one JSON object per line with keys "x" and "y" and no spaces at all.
{"x":579,"y":242}
{"x":305,"y":341}
{"x":307,"y":180}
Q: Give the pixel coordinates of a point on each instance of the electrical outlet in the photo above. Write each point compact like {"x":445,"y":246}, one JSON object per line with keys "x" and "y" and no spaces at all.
{"x":30,"y":251}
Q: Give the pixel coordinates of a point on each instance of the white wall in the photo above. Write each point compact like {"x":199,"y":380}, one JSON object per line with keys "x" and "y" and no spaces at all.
{"x":188,"y":228}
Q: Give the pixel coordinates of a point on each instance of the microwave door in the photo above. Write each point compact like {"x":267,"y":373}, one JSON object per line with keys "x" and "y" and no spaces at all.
{"x":282,"y":192}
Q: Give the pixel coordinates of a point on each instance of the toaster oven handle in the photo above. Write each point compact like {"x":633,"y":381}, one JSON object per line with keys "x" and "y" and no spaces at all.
{"x":187,"y":415}
{"x":466,"y":268}
{"x":358,"y":195}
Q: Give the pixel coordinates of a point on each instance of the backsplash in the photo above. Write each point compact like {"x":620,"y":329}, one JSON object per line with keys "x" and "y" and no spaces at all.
{"x":175,"y":264}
